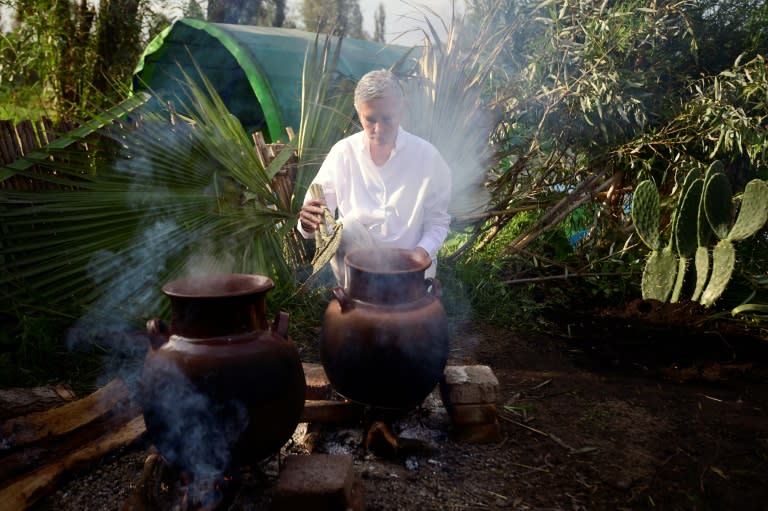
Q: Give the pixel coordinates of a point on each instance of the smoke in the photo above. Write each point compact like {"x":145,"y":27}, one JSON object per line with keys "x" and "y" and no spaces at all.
{"x":126,"y":285}
{"x":189,"y":428}
{"x":128,"y":272}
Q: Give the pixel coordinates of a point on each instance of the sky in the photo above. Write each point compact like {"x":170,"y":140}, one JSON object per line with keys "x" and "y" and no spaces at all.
{"x":403,"y":17}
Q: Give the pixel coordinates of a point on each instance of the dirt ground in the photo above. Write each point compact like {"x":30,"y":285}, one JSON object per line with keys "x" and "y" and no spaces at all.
{"x":634,"y":408}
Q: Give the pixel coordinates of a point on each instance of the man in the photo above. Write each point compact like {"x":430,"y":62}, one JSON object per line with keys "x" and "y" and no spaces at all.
{"x":390,"y":188}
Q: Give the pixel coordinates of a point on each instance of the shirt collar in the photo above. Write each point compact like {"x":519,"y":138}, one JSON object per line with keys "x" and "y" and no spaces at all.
{"x":399,"y":141}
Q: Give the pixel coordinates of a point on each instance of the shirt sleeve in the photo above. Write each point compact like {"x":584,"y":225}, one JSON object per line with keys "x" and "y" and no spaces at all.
{"x":437,"y":221}
{"x":325,"y":178}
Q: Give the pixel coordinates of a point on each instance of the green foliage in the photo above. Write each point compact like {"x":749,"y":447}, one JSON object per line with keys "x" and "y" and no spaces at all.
{"x":448,"y":101}
{"x":167,"y":196}
{"x":33,"y":351}
{"x":337,"y":17}
{"x":75,"y":58}
{"x":707,"y":201}
{"x":603,"y":95}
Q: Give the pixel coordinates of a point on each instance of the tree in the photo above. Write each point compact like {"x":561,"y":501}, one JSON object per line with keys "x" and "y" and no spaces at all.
{"x":74,"y":56}
{"x":247,"y":12}
{"x":379,"y":22}
{"x":193,"y":10}
{"x":233,"y":11}
{"x":604,"y":94}
{"x":338,"y":17}
{"x":119,"y":43}
{"x":279,"y":17}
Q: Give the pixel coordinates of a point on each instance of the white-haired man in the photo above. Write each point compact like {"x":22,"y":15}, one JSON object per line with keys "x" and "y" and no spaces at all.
{"x":388,"y":187}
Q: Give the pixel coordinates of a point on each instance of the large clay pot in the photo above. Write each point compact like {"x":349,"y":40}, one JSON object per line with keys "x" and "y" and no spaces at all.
{"x":384,"y":339}
{"x":221,"y":386}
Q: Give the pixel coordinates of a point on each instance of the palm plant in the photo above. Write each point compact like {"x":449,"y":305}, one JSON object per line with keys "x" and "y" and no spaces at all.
{"x":162,"y":191}
{"x":451,"y":104}
{"x":158,"y":196}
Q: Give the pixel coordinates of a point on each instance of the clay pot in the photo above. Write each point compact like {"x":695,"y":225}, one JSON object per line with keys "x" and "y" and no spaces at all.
{"x":221,"y":386}
{"x":384,"y":339}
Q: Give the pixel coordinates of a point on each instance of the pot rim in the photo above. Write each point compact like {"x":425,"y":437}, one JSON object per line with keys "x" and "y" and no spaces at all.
{"x":361,"y":259}
{"x":218,"y":285}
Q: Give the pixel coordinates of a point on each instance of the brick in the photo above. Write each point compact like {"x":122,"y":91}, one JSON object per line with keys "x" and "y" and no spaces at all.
{"x":474,"y":384}
{"x":478,"y":433}
{"x":484,"y":413}
{"x":318,"y":385}
{"x":320,"y":482}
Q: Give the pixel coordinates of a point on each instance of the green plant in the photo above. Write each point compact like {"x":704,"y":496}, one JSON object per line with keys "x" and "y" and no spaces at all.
{"x":703,"y":212}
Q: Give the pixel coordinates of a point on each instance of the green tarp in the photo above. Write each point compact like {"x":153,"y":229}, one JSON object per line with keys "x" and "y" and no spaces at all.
{"x":256,"y":70}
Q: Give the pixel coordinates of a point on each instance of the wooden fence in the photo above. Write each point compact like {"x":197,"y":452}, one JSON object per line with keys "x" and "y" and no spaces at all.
{"x":17,"y":140}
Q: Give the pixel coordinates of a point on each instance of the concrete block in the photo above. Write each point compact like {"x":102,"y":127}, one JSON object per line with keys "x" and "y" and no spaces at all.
{"x":461,"y":415}
{"x":320,"y":482}
{"x":473,"y":384}
{"x":318,"y":386}
{"x":478,"y":433}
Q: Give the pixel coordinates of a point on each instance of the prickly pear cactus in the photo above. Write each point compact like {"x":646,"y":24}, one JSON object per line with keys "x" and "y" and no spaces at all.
{"x":723,"y":261}
{"x":701,"y":263}
{"x":717,"y":203}
{"x":753,"y":212}
{"x":645,"y":214}
{"x":686,"y":229}
{"x":705,"y":208}
{"x":687,"y":219}
{"x":659,"y":275}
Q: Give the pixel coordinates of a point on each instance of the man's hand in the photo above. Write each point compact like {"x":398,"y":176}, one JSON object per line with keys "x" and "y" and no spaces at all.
{"x":422,"y":255}
{"x":311,"y":215}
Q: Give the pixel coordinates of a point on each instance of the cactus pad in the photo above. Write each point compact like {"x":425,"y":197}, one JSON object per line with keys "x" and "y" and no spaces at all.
{"x":717,"y":203}
{"x":701,"y":263}
{"x":753,"y":211}
{"x":686,"y":223}
{"x":723,"y":261}
{"x":645,"y":214}
{"x":659,"y":275}
{"x":682,"y":266}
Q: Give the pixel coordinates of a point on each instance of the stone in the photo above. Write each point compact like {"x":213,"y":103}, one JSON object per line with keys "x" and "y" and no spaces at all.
{"x":320,"y":482}
{"x":473,"y":384}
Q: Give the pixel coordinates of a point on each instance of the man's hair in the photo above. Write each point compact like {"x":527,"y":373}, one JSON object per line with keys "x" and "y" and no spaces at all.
{"x":380,"y":83}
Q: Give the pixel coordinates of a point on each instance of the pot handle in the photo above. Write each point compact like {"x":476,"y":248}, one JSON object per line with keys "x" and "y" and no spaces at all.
{"x":280,"y":326}
{"x":434,"y":287}
{"x":344,"y":300}
{"x":158,"y":332}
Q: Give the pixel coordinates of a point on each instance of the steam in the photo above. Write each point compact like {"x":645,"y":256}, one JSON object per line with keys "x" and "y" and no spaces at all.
{"x":460,"y":127}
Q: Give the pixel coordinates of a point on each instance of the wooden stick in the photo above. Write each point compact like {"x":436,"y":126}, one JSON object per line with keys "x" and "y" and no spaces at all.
{"x":21,"y":401}
{"x":31,"y":487}
{"x":57,"y":421}
{"x":331,"y":412}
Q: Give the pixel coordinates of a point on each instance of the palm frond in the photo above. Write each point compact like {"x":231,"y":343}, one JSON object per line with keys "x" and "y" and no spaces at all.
{"x":158,"y":195}
{"x":326,"y":109}
{"x":449,"y":104}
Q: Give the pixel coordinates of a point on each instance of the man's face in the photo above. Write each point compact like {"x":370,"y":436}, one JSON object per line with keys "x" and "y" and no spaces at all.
{"x":380,"y":118}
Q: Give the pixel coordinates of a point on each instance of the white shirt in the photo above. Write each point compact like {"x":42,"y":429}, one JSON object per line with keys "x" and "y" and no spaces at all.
{"x":403,"y":203}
